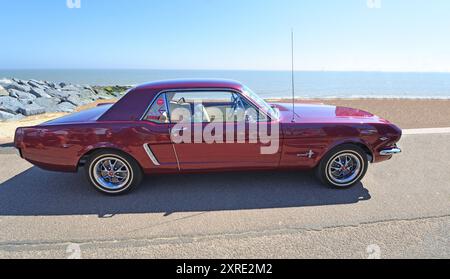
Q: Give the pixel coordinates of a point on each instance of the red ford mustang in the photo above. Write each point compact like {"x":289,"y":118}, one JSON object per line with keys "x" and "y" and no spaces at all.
{"x":207,"y":125}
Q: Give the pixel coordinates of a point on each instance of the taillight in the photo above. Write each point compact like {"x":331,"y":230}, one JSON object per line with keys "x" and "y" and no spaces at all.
{"x":18,"y":137}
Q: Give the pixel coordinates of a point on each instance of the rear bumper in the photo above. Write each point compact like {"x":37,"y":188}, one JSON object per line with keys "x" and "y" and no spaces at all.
{"x":53,"y":167}
{"x":390,"y":151}
{"x":19,"y":152}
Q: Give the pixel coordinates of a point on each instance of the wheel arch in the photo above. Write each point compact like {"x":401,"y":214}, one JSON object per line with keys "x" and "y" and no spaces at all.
{"x":84,"y":158}
{"x":358,"y":142}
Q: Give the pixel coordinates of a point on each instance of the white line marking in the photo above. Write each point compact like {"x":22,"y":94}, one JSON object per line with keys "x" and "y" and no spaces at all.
{"x":426,"y":131}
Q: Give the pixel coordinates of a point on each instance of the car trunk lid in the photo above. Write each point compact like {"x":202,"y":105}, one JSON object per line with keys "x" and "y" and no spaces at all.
{"x":85,"y":116}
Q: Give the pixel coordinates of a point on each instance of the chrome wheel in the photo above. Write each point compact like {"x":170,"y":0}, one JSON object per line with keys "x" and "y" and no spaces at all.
{"x":112,"y":173}
{"x":344,"y":168}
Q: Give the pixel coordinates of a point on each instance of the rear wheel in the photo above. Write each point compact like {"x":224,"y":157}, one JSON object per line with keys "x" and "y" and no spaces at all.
{"x":343,"y":167}
{"x":113,"y":172}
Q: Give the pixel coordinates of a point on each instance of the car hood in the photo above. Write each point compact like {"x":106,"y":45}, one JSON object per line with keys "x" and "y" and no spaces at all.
{"x":324,"y":113}
{"x":85,"y":116}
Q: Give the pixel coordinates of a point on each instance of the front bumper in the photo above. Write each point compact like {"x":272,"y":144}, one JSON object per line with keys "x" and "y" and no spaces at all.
{"x":390,"y":151}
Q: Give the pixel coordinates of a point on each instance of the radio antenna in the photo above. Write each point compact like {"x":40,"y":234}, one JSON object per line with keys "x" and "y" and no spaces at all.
{"x":293,"y":76}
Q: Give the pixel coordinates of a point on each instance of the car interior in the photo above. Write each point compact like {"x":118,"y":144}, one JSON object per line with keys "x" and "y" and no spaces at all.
{"x":203,"y":107}
{"x":209,"y":107}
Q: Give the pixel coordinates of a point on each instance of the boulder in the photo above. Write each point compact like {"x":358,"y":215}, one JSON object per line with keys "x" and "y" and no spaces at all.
{"x":19,"y":81}
{"x":40,"y":82}
{"x":39,"y":92}
{"x":21,"y":95}
{"x":6,"y":116}
{"x":62,"y":95}
{"x":3,"y":91}
{"x":100,"y":91}
{"x":10,"y":104}
{"x":86,"y":94}
{"x":5,"y":82}
{"x":117,"y":94}
{"x":49,"y":104}
{"x":78,"y":101}
{"x":71,"y":88}
{"x":18,"y":87}
{"x":104,"y":97}
{"x":25,"y":101}
{"x":31,"y":109}
{"x":72,"y":92}
{"x":32,"y":96}
{"x":36,"y":84}
{"x":51,"y":91}
{"x":51,"y":84}
{"x":65,"y":107}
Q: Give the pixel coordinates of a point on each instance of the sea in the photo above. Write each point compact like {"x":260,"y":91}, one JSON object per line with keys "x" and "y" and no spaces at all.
{"x":270,"y":84}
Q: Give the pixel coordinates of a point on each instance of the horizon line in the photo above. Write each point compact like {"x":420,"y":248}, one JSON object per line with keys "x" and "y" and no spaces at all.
{"x":224,"y":70}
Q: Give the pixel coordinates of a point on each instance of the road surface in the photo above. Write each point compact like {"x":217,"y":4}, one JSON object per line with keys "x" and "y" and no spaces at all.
{"x":400,"y":210}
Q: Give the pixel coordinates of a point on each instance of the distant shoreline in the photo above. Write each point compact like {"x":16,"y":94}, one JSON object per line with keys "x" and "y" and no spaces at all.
{"x":286,"y":97}
{"x":269,"y":84}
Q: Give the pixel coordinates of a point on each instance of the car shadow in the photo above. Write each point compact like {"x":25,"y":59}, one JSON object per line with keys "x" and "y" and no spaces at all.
{"x":39,"y":193}
{"x":5,"y":145}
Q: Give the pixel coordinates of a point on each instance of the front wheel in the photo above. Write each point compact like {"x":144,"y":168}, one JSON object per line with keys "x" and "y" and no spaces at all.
{"x":343,"y":167}
{"x":113,"y":172}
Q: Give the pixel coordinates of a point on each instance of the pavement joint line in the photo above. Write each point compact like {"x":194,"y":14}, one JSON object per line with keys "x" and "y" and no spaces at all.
{"x":427,"y":131}
{"x":198,"y":238}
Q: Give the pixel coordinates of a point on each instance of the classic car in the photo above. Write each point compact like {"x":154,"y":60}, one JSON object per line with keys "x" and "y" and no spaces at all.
{"x":118,"y":143}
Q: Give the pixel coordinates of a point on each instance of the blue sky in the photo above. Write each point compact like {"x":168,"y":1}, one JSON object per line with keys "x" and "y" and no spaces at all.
{"x":341,"y":35}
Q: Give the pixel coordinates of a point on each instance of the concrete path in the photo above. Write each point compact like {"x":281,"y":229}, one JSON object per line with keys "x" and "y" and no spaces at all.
{"x":400,"y":210}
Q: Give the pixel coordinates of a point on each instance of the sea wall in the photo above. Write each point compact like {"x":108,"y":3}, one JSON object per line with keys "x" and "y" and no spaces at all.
{"x":21,"y":98}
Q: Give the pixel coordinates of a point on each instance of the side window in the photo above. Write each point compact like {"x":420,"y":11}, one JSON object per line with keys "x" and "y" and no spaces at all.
{"x":158,"y":112}
{"x":211,"y":106}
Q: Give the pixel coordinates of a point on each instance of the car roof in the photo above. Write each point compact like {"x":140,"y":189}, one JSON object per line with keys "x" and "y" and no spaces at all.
{"x":192,"y":84}
{"x":136,"y":101}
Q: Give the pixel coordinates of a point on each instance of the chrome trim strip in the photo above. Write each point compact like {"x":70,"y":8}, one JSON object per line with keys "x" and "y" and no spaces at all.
{"x":309,"y":155}
{"x":167,"y":107}
{"x":389,"y":152}
{"x":151,"y":155}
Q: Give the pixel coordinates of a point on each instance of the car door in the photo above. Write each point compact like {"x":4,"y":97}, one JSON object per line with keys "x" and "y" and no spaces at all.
{"x":156,"y":139}
{"x":206,"y":145}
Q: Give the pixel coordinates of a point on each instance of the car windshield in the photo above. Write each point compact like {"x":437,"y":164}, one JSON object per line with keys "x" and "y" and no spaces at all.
{"x":273,"y":113}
